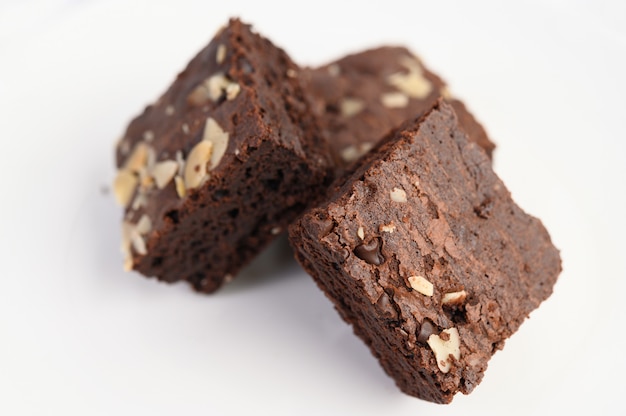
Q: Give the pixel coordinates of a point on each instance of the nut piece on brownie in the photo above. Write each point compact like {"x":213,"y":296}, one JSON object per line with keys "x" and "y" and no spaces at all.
{"x":463,"y":267}
{"x":360,"y":97}
{"x":229,"y":154}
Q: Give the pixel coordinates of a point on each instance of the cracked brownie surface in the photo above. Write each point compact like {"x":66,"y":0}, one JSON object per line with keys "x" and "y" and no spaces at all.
{"x":424,"y":253}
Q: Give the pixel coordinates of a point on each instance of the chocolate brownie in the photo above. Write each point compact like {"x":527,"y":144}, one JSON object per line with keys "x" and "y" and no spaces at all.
{"x":220,"y":164}
{"x":423,"y":251}
{"x":361,"y":97}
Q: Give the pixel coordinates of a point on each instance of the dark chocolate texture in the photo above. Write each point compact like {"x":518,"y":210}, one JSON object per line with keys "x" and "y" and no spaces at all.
{"x":363,"y":96}
{"x":220,"y":164}
{"x":424,"y":253}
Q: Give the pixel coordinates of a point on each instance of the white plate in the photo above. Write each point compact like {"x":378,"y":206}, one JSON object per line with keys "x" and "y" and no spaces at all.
{"x":79,"y":336}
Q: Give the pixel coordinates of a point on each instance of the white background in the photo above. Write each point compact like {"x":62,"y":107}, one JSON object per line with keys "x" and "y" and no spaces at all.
{"x":80,"y":337}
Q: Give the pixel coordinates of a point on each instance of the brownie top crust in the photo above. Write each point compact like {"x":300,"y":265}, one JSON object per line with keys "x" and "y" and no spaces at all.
{"x":361,"y":97}
{"x":423,"y":250}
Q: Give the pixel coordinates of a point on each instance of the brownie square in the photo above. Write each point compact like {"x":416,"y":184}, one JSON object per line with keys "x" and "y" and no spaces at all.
{"x":423,"y":251}
{"x":361,"y":97}
{"x":219,"y":166}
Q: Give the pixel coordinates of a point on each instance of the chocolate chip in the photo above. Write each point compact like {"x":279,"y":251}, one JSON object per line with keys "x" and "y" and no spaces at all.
{"x":370,"y":252}
{"x":426,"y":330}
{"x":384,"y":303}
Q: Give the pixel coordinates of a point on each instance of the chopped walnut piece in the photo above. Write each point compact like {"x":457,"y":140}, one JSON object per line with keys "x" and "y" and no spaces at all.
{"x":413,"y":83}
{"x":221,"y":53}
{"x":163,"y":172}
{"x":353,"y":152}
{"x":214,"y":134}
{"x":139,"y":201}
{"x":445,"y":348}
{"x":232,"y":90}
{"x":196,"y":170}
{"x":453,"y":298}
{"x":139,"y":244}
{"x":387,"y":228}
{"x":180,"y":186}
{"x":421,"y":285}
{"x":351,"y":106}
{"x":144,"y":225}
{"x":398,"y":195}
{"x":212,"y":89}
{"x":124,"y":187}
{"x":138,"y":159}
{"x":394,"y":100}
